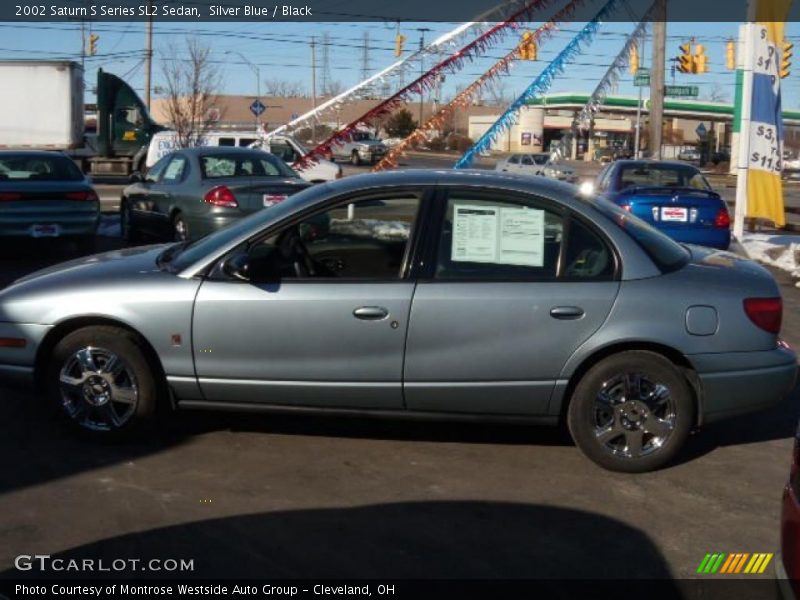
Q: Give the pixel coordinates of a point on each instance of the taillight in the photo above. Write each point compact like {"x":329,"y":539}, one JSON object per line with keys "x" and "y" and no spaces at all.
{"x":723,"y":219}
{"x":89,"y":196}
{"x":10,"y":196}
{"x":626,"y":207}
{"x":766,"y":313}
{"x":273,"y":199}
{"x":221,"y":196}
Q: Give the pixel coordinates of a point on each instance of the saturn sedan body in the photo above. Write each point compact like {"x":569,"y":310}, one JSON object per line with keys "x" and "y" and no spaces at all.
{"x":45,"y":195}
{"x":419,"y":294}
{"x":195,"y":191}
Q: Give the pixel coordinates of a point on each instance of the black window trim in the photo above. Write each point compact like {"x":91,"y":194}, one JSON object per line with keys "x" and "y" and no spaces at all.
{"x":407,"y":271}
{"x":428,"y":255}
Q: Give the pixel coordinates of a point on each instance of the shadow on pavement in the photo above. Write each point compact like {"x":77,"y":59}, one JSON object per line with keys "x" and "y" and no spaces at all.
{"x":403,"y":540}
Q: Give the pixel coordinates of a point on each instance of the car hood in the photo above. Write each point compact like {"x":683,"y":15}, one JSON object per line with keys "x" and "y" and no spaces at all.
{"x":108,"y":265}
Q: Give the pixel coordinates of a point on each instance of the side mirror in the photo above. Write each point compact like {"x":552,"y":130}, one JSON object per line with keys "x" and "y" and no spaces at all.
{"x":136,"y":177}
{"x":238,"y":267}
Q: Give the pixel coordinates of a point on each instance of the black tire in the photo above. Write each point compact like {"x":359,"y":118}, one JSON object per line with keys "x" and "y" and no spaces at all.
{"x":86,"y":411}
{"x":180,"y":228}
{"x":610,"y":437}
{"x":128,"y":230}
{"x":355,"y":159}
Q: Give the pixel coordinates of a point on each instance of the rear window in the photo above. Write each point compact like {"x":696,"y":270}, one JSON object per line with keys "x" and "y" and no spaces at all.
{"x":260,"y":164}
{"x":666,"y":253}
{"x":22,"y":168}
{"x":646,"y":175}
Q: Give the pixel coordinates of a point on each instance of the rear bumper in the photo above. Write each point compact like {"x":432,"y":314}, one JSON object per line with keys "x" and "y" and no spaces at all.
{"x":741,"y":382}
{"x":77,"y":223}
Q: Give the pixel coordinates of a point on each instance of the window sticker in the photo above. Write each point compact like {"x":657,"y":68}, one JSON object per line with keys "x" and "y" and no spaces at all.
{"x":474,"y":233}
{"x":499,"y":235}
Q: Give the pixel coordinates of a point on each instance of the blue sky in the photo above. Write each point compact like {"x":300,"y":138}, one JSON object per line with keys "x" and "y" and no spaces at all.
{"x":282,"y":51}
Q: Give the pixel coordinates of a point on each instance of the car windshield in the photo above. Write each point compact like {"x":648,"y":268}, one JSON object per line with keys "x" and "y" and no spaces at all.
{"x":178,"y":257}
{"x":255,"y":164}
{"x":660,"y":175}
{"x":362,"y":136}
{"x":23,"y":168}
{"x":666,"y":253}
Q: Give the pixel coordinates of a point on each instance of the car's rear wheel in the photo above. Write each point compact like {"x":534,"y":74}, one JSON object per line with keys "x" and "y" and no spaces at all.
{"x":101,"y":382}
{"x":180,"y":228}
{"x":631,"y":412}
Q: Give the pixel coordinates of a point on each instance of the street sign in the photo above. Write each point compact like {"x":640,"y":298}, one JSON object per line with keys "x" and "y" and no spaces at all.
{"x":681,"y":91}
{"x":701,"y":131}
{"x":642,"y":78}
{"x":257,"y":108}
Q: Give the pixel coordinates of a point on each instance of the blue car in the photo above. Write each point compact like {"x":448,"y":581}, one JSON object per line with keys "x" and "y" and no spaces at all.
{"x":672,"y":196}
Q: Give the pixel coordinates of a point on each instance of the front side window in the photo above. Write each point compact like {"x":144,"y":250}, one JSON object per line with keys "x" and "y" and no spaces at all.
{"x":155,"y":171}
{"x":359,"y":240}
{"x":498,"y":239}
{"x":514,"y":160}
{"x":527,"y":160}
{"x":283,"y":151}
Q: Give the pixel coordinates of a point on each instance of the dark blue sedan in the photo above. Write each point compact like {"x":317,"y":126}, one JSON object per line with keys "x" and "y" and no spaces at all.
{"x":672,"y":196}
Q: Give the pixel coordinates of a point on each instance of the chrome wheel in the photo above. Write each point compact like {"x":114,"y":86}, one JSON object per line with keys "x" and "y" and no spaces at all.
{"x":633,"y":416}
{"x":98,"y":389}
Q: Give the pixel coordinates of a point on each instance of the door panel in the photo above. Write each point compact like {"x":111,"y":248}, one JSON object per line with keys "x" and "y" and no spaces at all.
{"x":299,"y":343}
{"x":494,"y":347}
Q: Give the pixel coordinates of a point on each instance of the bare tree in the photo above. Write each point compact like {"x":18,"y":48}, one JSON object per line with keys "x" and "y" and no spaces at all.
{"x":497,"y":92}
{"x":283,"y":88}
{"x":717,"y":93}
{"x":333,"y":88}
{"x":191,"y":86}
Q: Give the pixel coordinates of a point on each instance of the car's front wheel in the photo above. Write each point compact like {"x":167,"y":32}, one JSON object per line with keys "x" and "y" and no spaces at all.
{"x":101,"y":382}
{"x":355,"y":159}
{"x":127,"y":228}
{"x":180,"y":228}
{"x":631,"y":412}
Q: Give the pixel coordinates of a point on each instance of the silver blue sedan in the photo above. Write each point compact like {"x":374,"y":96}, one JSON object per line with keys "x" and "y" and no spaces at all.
{"x":419,"y":294}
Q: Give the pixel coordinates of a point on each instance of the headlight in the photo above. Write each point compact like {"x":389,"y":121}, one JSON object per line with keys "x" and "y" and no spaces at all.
{"x":586,"y":188}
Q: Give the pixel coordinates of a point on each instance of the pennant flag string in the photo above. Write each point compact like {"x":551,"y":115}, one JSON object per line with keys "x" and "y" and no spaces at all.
{"x":426,"y":81}
{"x":464,"y":98}
{"x":539,"y":85}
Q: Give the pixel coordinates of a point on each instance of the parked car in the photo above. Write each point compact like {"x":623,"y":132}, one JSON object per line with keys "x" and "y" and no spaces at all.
{"x":424,"y":294}
{"x":672,"y":196}
{"x":689,"y":155}
{"x":536,"y":164}
{"x":362,"y":147}
{"x":721,"y":156}
{"x":285,"y":147}
{"x":787,"y":563}
{"x":45,"y":195}
{"x":192,"y":192}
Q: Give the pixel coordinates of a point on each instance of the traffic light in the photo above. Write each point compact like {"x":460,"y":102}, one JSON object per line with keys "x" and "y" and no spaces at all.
{"x":700,"y":59}
{"x":786,"y":59}
{"x":686,"y":59}
{"x":730,"y":55}
{"x":633,"y":60}
{"x":399,"y":41}
{"x":527,"y":47}
{"x":93,"y":43}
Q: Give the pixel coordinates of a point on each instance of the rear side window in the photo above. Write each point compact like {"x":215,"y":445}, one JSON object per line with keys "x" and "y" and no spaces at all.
{"x":227,"y":141}
{"x":498,"y":240}
{"x":514,"y":160}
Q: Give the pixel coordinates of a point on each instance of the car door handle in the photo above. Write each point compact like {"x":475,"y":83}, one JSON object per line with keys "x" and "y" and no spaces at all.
{"x":566,"y":312}
{"x":370,"y":313}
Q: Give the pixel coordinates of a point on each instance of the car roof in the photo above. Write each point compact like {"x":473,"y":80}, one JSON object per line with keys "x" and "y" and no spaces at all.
{"x":650,"y":162}
{"x":204,"y":150}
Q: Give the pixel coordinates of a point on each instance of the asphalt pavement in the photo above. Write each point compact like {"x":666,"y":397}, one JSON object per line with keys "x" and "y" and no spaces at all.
{"x":333,"y":497}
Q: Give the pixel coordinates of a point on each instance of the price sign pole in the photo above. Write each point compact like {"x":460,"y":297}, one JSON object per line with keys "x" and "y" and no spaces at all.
{"x":746,"y":56}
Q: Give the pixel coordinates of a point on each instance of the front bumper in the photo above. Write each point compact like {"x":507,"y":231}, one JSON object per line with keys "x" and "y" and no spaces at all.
{"x":17,"y":364}
{"x":735,"y":383}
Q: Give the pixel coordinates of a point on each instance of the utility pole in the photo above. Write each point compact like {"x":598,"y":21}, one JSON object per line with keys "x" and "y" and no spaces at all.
{"x":639,"y":107}
{"x":422,"y":31}
{"x":148,"y":56}
{"x":657,"y":78}
{"x":314,"y":87}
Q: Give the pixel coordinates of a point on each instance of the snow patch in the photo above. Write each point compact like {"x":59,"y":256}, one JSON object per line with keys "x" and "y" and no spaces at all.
{"x":781,"y":251}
